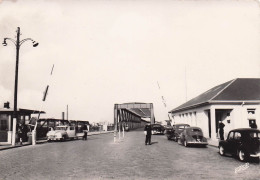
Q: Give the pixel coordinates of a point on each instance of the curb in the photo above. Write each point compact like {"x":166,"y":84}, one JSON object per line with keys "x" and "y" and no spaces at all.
{"x":44,"y":141}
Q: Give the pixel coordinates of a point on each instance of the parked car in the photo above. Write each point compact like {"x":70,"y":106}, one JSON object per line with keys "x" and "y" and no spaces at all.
{"x":242,"y":143}
{"x":61,"y":133}
{"x":192,"y":136}
{"x":175,"y":131}
{"x":157,"y":129}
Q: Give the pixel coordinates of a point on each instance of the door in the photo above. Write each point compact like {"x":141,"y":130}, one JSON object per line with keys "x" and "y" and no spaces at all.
{"x":230,"y":143}
{"x":209,"y":119}
{"x":3,"y":130}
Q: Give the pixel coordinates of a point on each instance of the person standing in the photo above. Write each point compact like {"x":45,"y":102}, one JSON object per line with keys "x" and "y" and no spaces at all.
{"x":20,"y":133}
{"x":221,"y":126}
{"x":85,"y":131}
{"x":148,"y":131}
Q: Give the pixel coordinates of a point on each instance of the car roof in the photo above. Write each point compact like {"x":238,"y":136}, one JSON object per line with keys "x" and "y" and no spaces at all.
{"x":245,"y":130}
{"x":181,"y":125}
{"x":193,"y":127}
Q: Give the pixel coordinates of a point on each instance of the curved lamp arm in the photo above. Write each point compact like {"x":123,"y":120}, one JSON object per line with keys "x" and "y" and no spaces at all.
{"x":34,"y":43}
{"x":5,"y":43}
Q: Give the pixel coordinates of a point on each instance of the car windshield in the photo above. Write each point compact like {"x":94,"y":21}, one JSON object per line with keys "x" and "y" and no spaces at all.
{"x":60,"y":128}
{"x":156,"y":125}
{"x":255,"y":134}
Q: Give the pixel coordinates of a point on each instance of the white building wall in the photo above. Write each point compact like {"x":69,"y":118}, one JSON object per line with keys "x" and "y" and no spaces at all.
{"x":199,"y":120}
{"x":238,"y":117}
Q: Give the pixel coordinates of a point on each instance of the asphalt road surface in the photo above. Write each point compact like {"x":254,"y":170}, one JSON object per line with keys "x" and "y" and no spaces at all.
{"x":100,"y":158}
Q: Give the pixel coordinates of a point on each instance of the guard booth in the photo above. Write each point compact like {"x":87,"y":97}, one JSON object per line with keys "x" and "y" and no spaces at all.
{"x":6,"y":121}
{"x":129,"y":116}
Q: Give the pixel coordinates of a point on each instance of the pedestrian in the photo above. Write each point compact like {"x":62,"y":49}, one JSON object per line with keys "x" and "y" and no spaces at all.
{"x":221,"y":126}
{"x":85,"y":131}
{"x":148,"y":133}
{"x":20,"y":133}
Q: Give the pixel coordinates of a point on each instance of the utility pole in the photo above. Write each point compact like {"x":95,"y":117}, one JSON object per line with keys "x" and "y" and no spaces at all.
{"x":67,"y":112}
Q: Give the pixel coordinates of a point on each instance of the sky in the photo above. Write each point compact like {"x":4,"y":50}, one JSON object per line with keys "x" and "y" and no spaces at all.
{"x":108,"y":52}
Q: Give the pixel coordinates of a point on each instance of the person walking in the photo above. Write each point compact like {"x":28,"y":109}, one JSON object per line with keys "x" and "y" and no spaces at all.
{"x":148,"y":132}
{"x":85,"y":131}
{"x":221,"y":126}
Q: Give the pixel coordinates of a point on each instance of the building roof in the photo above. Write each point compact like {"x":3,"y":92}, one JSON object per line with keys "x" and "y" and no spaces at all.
{"x":237,"y":90}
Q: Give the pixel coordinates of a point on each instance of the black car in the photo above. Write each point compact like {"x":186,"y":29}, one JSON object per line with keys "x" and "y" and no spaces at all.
{"x":243,"y":143}
{"x":175,"y":132}
{"x":192,"y":136}
{"x":157,"y":129}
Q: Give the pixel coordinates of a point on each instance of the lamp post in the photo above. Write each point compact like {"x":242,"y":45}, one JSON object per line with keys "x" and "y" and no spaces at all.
{"x":17,"y":44}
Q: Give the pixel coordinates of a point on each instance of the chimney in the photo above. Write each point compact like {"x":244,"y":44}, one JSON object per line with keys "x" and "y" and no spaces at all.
{"x":63,"y":115}
{"x":6,"y":105}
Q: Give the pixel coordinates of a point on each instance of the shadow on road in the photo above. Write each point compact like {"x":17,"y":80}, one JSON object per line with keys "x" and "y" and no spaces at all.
{"x":153,"y":143}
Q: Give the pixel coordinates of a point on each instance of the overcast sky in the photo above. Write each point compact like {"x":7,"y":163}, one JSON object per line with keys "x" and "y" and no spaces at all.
{"x":108,"y":52}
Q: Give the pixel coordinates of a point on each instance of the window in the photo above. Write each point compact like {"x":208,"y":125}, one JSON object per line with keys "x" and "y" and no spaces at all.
{"x":255,"y":135}
{"x":181,"y":127}
{"x":231,"y":135}
{"x":250,"y":111}
{"x":237,"y":135}
{"x":196,"y":130}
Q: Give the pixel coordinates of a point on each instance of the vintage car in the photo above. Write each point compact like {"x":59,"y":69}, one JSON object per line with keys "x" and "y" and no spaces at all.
{"x":192,"y":136}
{"x":157,"y":129}
{"x":242,"y":143}
{"x":175,"y":131}
{"x":62,"y":133}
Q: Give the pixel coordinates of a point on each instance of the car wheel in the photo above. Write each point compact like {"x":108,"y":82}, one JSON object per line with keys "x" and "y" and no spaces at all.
{"x":242,"y":155}
{"x":221,"y":151}
{"x":63,"y":138}
{"x":179,"y":141}
{"x":185,"y":143}
{"x":175,"y":139}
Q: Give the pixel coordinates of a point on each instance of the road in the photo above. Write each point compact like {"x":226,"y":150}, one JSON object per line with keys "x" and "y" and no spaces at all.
{"x":100,"y":158}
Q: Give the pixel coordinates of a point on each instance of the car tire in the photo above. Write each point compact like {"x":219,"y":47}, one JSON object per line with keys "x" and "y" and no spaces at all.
{"x":175,"y":139}
{"x":221,"y":150}
{"x":242,"y":155}
{"x":64,"y":138}
{"x":185,"y":143}
{"x":179,"y":141}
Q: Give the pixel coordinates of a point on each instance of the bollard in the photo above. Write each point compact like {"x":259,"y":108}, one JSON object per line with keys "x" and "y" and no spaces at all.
{"x":123,"y":131}
{"x":33,"y":137}
{"x":114,"y":136}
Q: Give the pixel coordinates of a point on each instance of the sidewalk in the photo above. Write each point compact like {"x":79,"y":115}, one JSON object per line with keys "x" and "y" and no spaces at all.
{"x":9,"y":146}
{"x":213,"y":143}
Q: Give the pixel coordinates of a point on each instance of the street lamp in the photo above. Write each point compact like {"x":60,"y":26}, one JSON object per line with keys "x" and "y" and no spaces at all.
{"x":17,"y":44}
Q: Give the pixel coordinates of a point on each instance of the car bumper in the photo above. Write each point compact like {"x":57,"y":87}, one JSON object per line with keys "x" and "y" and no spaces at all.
{"x":255,"y":155}
{"x":157,"y":132}
{"x":53,"y":138}
{"x":202,"y":143}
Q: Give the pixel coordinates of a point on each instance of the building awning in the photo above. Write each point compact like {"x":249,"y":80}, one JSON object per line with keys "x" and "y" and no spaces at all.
{"x":21,"y":111}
